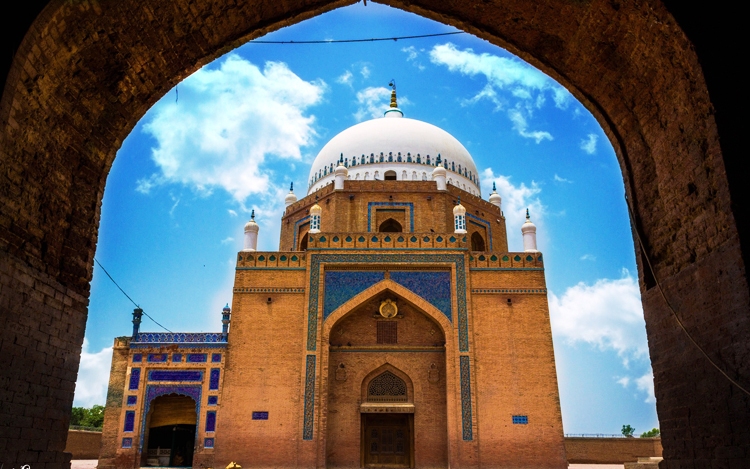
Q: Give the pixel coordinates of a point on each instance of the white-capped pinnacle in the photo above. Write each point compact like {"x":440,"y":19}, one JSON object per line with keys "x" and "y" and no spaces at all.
{"x":341,"y":173}
{"x":315,"y":211}
{"x":528,"y":230}
{"x":495,"y":198}
{"x":251,"y":234}
{"x":439,"y":176}
{"x":290,"y":197}
{"x":459,"y":218}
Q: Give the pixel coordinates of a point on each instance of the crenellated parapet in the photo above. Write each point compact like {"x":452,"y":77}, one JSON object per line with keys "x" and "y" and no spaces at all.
{"x":387,"y":241}
{"x":506,"y":260}
{"x":271,"y":259}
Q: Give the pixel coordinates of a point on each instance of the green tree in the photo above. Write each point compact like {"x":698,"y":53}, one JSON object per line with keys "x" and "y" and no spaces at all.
{"x":83,"y":417}
{"x":76,"y":415}
{"x":628,"y":431}
{"x":651,"y":433}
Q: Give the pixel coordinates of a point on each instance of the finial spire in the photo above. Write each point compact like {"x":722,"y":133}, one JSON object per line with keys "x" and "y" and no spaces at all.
{"x":494,"y":189}
{"x":392,"y":84}
{"x":291,"y":187}
{"x":252,"y":214}
{"x":527,"y":214}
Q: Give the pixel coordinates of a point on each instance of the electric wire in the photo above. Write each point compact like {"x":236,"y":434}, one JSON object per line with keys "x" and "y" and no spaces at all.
{"x":343,"y":41}
{"x":669,"y":305}
{"x":128,"y":296}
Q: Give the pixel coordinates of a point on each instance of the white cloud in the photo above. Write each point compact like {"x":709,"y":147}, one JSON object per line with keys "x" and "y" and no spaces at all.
{"x":227,"y":240}
{"x":588,"y":257}
{"x":228,"y":121}
{"x":365,"y":72}
{"x":588,"y":144}
{"x":624,"y":381}
{"x":607,"y":314}
{"x":646,"y":384}
{"x":521,"y":126}
{"x":231,"y":213}
{"x":93,"y":376}
{"x":411,"y":56}
{"x":373,"y":101}
{"x":515,"y":200}
{"x":345,"y":78}
{"x":562,"y":179}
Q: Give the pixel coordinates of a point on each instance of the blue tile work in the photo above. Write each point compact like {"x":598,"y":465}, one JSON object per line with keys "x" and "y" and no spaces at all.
{"x":435,"y":287}
{"x":176,"y":357}
{"x":309,"y":416}
{"x":468,"y":433}
{"x":213,"y":380}
{"x":520,"y":419}
{"x":211,"y":421}
{"x":178,"y":337}
{"x":157,"y":357}
{"x":132,"y":400}
{"x":197,"y":357}
{"x":484,"y":223}
{"x":208,"y":443}
{"x":296,"y":230}
{"x":135,"y":378}
{"x":216,"y":358}
{"x":169,"y":375}
{"x":343,"y":285}
{"x":129,"y":421}
{"x":260,"y":415}
{"x":154,"y":391}
{"x":213,"y":400}
{"x":390,"y":204}
{"x":127,"y":442}
{"x":137,"y":358}
{"x":313,"y":291}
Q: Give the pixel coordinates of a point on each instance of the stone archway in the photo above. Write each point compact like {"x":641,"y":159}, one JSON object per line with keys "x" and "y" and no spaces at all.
{"x":86,"y":73}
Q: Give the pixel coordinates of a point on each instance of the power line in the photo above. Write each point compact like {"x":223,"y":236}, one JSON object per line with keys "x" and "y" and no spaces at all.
{"x":342,"y":41}
{"x":674,"y":313}
{"x":128,"y":296}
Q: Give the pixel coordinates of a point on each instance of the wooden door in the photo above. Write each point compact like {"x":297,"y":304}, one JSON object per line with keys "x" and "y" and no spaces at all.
{"x":387,"y":441}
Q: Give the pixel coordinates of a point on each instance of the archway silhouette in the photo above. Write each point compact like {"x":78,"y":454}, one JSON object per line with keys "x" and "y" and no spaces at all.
{"x":390,"y":226}
{"x":477,"y":242}
{"x":71,"y":97}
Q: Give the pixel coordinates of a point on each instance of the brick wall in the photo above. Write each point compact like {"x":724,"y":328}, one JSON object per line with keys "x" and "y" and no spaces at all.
{"x":82,"y":444}
{"x":610,"y":450}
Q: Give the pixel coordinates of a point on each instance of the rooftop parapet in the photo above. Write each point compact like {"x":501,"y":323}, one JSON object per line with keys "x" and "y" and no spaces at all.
{"x":272,"y":259}
{"x":378,"y":240}
{"x":162,"y":338}
{"x":505,"y":260}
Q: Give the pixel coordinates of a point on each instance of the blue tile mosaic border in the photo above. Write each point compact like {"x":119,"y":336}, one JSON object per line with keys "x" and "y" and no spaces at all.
{"x":486,"y":224}
{"x":314,"y":291}
{"x":390,"y":204}
{"x":433,"y":286}
{"x":135,"y":378}
{"x":213,"y":380}
{"x":177,"y":337}
{"x":296,"y":231}
{"x":175,"y":375}
{"x":343,"y":285}
{"x":309,"y":414}
{"x":468,"y":433}
{"x":154,"y":391}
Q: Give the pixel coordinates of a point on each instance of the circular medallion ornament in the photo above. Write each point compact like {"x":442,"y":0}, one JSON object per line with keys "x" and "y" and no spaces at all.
{"x":388,"y":308}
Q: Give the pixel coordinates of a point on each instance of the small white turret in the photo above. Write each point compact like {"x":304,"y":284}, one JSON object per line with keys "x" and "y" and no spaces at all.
{"x":495,"y":198}
{"x":290,"y":197}
{"x":341,"y":173}
{"x":459,"y":218}
{"x":251,"y":234}
{"x":315,"y":211}
{"x":529,"y":234}
{"x":439,"y":175}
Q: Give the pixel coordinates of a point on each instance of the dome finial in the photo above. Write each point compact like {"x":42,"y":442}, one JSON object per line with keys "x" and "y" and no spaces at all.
{"x":392,"y":84}
{"x":527,"y":214}
{"x":252,"y":214}
{"x":291,"y":187}
{"x":494,"y":189}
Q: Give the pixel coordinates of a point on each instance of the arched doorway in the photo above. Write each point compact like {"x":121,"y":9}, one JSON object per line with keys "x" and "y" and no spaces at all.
{"x":170,"y":432}
{"x":387,"y":438}
{"x":390,"y":226}
{"x":389,"y":176}
{"x":303,"y":242}
{"x":477,"y":242}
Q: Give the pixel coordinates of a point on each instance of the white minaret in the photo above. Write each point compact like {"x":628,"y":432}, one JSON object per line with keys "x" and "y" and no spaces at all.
{"x":251,"y":234}
{"x":315,"y":218}
{"x":439,"y":175}
{"x":459,"y":218}
{"x":495,"y":198}
{"x":529,"y":234}
{"x":290,"y":197}
{"x":341,"y":173}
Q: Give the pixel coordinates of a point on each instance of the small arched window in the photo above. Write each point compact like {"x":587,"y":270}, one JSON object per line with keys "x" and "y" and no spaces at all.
{"x":389,"y":175}
{"x":387,"y":387}
{"x":477,"y":242}
{"x":303,"y":243}
{"x":390,"y":226}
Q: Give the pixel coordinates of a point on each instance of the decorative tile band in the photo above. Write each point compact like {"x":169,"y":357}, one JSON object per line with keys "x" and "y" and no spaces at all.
{"x":211,"y":421}
{"x":127,"y":442}
{"x":482,"y":222}
{"x":390,"y":204}
{"x":178,"y":337}
{"x":157,"y":357}
{"x":309,"y":417}
{"x":135,"y":378}
{"x":197,"y":357}
{"x":314,"y":291}
{"x":269,"y":290}
{"x":213,"y":380}
{"x":129,"y":421}
{"x":468,"y":433}
{"x":509,"y":290}
{"x":177,"y":375}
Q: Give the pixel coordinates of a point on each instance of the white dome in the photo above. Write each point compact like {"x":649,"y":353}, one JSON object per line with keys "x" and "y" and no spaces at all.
{"x":390,"y":136}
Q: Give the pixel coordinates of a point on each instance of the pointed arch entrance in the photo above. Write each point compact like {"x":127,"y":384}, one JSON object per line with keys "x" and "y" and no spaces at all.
{"x":170,"y":431}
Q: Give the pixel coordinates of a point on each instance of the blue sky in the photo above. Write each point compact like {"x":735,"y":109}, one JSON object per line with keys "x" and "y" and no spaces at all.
{"x":231,"y":137}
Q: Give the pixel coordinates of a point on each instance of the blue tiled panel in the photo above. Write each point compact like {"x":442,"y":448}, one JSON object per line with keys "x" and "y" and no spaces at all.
{"x":343,"y":285}
{"x":157,"y":357}
{"x":127,"y":442}
{"x":309,"y":413}
{"x":216,"y":357}
{"x":435,"y":287}
{"x":521,"y":419}
{"x":211,"y":421}
{"x":208,"y":443}
{"x":197,"y":357}
{"x":137,"y":358}
{"x":135,"y":378}
{"x":129,"y":421}
{"x":262,"y":415}
{"x":178,"y":337}
{"x":468,"y":433}
{"x":176,"y":357}
{"x":213,"y":381}
{"x":181,"y":375}
{"x":132,"y":400}
{"x":213,"y":400}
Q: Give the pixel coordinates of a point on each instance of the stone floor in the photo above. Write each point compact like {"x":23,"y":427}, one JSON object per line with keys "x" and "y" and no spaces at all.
{"x":91,"y":464}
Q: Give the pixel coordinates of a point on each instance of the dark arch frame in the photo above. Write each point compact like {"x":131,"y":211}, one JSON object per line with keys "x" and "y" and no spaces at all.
{"x":477,"y":242}
{"x":70,"y":98}
{"x":390,"y":226}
